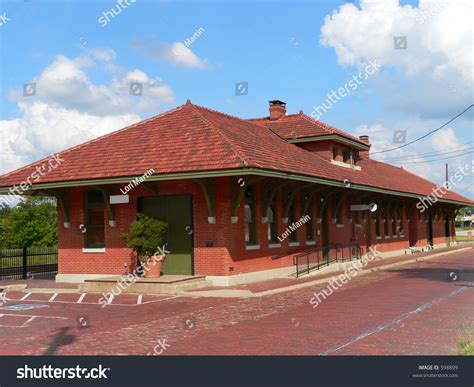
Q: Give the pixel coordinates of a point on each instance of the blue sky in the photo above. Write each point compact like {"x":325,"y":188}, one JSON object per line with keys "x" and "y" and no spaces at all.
{"x":291,"y":51}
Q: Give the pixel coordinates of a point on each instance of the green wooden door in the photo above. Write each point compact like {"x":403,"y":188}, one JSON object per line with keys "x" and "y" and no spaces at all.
{"x":177,"y":212}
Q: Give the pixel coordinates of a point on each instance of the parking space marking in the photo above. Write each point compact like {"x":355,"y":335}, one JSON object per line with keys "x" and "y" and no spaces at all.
{"x":25,"y":296}
{"x":161,"y":299}
{"x":141,"y":299}
{"x":53,"y":297}
{"x":28,"y":321}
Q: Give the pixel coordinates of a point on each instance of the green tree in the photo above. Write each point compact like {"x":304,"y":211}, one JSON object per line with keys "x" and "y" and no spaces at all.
{"x":33,"y":222}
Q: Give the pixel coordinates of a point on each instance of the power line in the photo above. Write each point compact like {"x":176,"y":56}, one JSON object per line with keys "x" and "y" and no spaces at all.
{"x":415,"y":158}
{"x":430,"y":153}
{"x":408,"y":159}
{"x":430,"y":161}
{"x":425,"y":135}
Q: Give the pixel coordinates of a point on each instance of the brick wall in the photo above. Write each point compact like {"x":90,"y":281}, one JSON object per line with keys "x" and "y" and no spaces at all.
{"x":228,"y":254}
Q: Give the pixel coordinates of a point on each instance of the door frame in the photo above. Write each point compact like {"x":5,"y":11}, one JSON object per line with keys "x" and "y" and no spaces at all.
{"x":139,"y":209}
{"x":447,"y":230}
{"x":429,"y":229}
{"x":413,"y":228}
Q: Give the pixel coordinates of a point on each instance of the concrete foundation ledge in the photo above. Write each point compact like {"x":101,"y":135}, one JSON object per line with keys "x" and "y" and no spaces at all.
{"x":245,"y":278}
{"x":78,"y":278}
{"x":394,"y":253}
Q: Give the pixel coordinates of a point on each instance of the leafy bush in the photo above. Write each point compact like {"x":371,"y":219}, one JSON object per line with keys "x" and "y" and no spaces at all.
{"x":145,"y":235}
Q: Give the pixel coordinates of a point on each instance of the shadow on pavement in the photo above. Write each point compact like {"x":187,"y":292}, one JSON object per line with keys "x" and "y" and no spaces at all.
{"x":62,"y":338}
{"x":438,"y":274}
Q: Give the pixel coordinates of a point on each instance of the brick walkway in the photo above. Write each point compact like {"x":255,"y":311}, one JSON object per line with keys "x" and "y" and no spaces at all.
{"x":415,"y":309}
{"x":277,"y":283}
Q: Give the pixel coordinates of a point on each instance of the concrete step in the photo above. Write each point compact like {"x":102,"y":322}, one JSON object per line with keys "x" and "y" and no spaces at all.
{"x":143,"y":285}
{"x":50,"y":290}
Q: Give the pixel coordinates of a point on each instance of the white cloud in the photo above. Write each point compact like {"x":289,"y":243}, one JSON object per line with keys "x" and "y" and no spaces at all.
{"x":69,"y":108}
{"x":433,"y":75}
{"x":444,"y":140}
{"x":175,"y":53}
{"x":45,"y":129}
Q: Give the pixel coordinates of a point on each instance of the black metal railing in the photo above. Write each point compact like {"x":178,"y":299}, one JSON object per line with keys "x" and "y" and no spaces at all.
{"x":318,"y":257}
{"x":28,"y":262}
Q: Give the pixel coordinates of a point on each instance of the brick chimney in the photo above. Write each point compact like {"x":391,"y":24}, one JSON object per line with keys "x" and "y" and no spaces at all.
{"x":364,"y":154}
{"x":277,"y":109}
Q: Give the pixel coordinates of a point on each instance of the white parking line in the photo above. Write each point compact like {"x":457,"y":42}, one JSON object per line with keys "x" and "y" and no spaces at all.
{"x":111,"y":301}
{"x":53,"y":297}
{"x":31,"y":315}
{"x":30,"y":319}
{"x":25,"y":297}
{"x":161,"y":299}
{"x":396,"y":320}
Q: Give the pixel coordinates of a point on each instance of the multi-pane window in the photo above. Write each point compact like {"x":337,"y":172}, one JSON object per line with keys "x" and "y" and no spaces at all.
{"x":272,"y":224}
{"x":346,"y":156}
{"x":291,"y":219}
{"x":250,"y":217}
{"x":309,"y":223}
{"x":356,"y":156}
{"x":334,"y":153}
{"x":386,"y":225}
{"x":337,"y":212}
{"x":94,"y":219}
{"x":395,"y":224}
{"x":377,"y":218}
{"x":401,"y":232}
{"x":356,"y":217}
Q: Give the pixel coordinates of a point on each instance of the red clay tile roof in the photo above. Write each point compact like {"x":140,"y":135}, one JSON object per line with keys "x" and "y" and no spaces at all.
{"x":191,"y":138}
{"x":296,"y":126}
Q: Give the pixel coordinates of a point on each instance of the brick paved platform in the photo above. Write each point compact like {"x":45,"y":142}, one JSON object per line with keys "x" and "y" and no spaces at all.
{"x":417,"y":308}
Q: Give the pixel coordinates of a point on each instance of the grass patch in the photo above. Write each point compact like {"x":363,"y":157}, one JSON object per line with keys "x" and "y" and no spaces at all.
{"x":36,"y":256}
{"x":464,"y":238}
{"x":464,"y":228}
{"x":466,"y":347}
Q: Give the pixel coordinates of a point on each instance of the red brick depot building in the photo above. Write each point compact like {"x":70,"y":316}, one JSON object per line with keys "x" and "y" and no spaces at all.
{"x":241,"y":197}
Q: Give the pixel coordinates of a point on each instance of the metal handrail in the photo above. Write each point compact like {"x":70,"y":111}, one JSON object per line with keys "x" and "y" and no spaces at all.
{"x":304,"y":265}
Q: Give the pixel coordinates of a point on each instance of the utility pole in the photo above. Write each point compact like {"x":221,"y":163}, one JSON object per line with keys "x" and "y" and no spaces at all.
{"x":447,"y":180}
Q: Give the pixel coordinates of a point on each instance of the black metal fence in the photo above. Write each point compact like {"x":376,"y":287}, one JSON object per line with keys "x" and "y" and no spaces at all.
{"x":28,"y":263}
{"x":318,"y":257}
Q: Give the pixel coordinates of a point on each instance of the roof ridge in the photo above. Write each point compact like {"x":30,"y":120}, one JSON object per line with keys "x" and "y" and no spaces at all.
{"x":195,"y":109}
{"x":268,"y":117}
{"x":44,"y":159}
{"x":330,"y":128}
{"x":227,"y":115}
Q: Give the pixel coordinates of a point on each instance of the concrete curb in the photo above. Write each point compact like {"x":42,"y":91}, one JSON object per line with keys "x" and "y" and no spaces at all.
{"x":51,"y":290}
{"x":11,"y":288}
{"x":421,"y":259}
